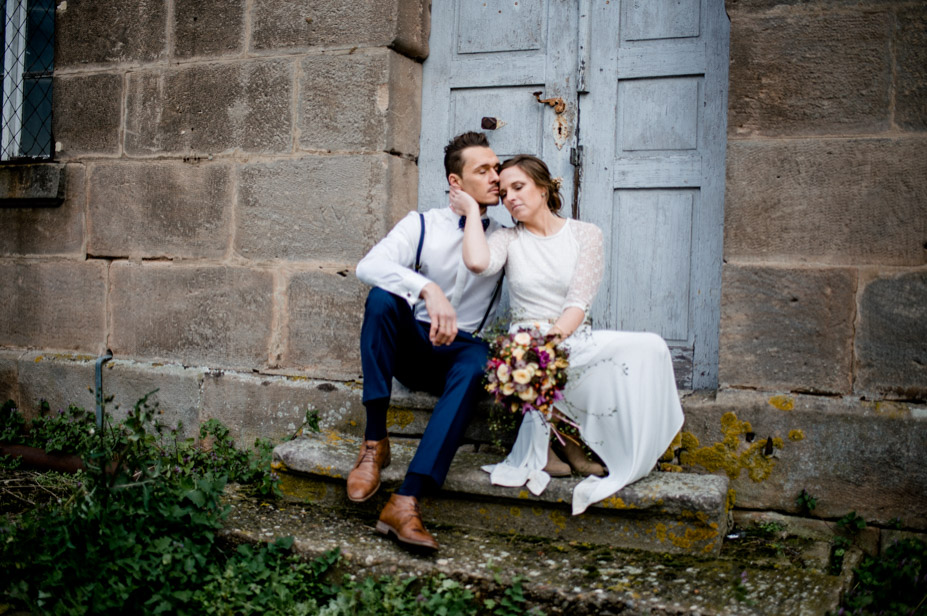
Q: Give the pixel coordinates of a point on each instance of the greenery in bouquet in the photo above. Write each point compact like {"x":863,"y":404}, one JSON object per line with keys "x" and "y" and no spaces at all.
{"x":526,"y":371}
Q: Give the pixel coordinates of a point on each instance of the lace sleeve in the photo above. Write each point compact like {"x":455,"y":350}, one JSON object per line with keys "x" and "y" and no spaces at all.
{"x":589,"y":267}
{"x":498,"y":249}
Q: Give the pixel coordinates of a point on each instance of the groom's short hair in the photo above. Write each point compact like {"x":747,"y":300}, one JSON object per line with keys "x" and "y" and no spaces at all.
{"x":453,"y":152}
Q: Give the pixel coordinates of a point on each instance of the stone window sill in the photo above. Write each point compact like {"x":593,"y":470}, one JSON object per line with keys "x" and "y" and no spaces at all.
{"x":31,"y":185}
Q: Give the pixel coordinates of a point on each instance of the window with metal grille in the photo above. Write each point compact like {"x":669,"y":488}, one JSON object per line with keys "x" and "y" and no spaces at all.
{"x":28,"y":61}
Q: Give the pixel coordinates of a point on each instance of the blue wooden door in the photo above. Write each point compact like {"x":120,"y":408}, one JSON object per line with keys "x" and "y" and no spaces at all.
{"x":639,"y":140}
{"x":498,"y":59}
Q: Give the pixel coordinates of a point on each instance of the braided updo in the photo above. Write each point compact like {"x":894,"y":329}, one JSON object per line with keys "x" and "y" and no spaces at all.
{"x":535,"y":169}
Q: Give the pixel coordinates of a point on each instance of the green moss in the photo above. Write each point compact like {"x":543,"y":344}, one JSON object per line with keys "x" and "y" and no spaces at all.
{"x":733,"y":454}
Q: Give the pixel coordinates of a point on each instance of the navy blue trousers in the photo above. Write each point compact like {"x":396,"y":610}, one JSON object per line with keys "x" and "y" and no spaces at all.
{"x":394,"y":344}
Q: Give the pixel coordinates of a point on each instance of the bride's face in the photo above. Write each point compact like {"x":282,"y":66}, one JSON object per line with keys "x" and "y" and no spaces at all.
{"x":520,"y":195}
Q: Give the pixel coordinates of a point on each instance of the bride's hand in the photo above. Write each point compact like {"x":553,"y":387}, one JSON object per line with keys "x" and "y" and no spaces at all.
{"x":462,"y":203}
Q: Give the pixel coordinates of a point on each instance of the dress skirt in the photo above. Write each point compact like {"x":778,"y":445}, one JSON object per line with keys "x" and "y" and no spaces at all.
{"x":621,"y":394}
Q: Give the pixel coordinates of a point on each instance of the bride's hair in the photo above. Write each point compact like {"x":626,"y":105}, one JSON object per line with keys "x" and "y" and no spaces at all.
{"x":535,"y":169}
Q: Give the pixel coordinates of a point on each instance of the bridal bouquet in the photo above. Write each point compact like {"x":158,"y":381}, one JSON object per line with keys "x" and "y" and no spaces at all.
{"x":526,"y":371}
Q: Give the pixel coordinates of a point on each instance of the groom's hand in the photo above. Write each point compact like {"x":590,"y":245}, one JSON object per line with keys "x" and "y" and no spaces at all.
{"x":442,"y":314}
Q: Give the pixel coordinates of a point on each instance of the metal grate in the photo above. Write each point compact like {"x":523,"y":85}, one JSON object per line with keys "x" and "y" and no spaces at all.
{"x":28,"y":63}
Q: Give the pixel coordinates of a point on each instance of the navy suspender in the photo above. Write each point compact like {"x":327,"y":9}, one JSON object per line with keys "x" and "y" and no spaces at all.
{"x":418,"y":268}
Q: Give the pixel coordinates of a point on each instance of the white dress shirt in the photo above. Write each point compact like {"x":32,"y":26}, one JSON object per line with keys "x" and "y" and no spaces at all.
{"x":389,"y":265}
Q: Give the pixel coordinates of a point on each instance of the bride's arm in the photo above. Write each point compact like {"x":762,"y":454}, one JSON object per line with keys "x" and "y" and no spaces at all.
{"x":586,"y":278}
{"x":569,"y":320}
{"x":475,"y":248}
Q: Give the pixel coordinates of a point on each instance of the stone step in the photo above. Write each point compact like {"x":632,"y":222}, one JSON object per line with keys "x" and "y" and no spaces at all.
{"x":664,"y":512}
{"x":575,"y":578}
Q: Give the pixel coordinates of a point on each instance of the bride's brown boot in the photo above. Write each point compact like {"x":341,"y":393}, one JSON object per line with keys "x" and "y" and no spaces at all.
{"x":578,"y":461}
{"x":555,"y":466}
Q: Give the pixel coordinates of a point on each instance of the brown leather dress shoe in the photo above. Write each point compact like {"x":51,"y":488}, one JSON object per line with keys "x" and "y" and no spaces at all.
{"x":402,"y":518}
{"x":364,"y":478}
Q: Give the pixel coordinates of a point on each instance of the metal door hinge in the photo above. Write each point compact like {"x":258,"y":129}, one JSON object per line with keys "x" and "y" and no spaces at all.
{"x":576,"y":156}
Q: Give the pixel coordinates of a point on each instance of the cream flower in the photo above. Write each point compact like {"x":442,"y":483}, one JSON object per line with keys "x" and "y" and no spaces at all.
{"x":518,"y":353}
{"x":522,"y":338}
{"x":529,"y":395}
{"x":522,"y":376}
{"x":508,"y":389}
{"x":504,"y":373}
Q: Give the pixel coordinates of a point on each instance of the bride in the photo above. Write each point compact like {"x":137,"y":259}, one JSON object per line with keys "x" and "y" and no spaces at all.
{"x":621,"y":392}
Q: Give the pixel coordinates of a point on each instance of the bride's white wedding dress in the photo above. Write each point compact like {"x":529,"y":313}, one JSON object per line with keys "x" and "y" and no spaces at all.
{"x":621,"y":391}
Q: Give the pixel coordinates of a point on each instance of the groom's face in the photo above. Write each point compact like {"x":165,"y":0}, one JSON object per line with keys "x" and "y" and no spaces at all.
{"x":480,"y":175}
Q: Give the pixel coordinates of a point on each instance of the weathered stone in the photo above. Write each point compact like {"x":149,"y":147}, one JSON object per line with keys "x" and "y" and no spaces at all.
{"x":9,"y":376}
{"x":911,"y":71}
{"x":402,"y":24}
{"x":559,"y":577}
{"x":205,"y":109}
{"x":157,"y":209}
{"x":664,"y":512}
{"x":787,"y":328}
{"x":891,"y":536}
{"x":32,"y":185}
{"x":413,"y":28}
{"x":365,"y":100}
{"x":811,"y":73}
{"x":832,"y":201}
{"x":735,"y":7}
{"x":95,"y":31}
{"x":53,"y":304}
{"x":850,"y":455}
{"x":891,"y":339}
{"x":48,"y":230}
{"x":274,"y":407}
{"x":213,"y":315}
{"x":866,"y":539}
{"x":62,"y":379}
{"x":208,"y":27}
{"x":321,"y":207}
{"x":323,"y":328}
{"x":87,"y":114}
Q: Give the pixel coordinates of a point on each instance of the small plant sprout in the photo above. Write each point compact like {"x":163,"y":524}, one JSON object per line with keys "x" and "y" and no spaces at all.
{"x":805,"y":502}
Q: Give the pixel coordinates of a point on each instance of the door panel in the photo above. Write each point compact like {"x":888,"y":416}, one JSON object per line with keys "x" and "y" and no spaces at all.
{"x":660,"y":19}
{"x":653,"y":232}
{"x":658,"y":114}
{"x":488,"y":59}
{"x":522,"y":132}
{"x":499,"y":25}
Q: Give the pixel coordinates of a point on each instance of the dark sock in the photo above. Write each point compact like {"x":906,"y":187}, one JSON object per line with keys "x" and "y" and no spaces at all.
{"x":376,"y":419}
{"x":415,"y":485}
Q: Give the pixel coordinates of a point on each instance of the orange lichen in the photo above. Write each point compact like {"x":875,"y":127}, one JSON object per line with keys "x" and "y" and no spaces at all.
{"x":783,"y":403}
{"x":399,"y":418}
{"x":671,"y":450}
{"x":558,"y":519}
{"x":617,"y":503}
{"x":733,"y":454}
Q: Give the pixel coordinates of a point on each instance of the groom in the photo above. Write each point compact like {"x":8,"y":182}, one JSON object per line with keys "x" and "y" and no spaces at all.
{"x":418,"y":326}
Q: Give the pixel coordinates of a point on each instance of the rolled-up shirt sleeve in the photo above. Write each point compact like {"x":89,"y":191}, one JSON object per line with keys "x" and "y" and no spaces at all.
{"x":389,"y":265}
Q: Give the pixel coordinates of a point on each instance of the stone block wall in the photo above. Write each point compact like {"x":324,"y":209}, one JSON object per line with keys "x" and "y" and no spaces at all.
{"x":825,"y":275}
{"x":226,"y":162}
